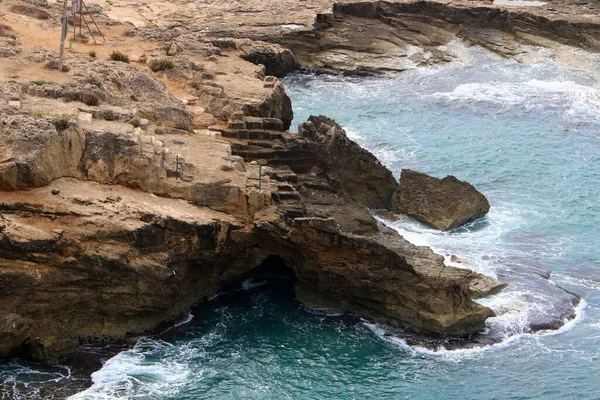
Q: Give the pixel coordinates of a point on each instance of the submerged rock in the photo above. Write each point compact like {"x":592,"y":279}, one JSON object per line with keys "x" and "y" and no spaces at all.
{"x":442,"y":203}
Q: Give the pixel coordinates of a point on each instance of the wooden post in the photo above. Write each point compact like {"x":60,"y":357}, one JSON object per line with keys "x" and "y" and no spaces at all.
{"x":63,"y":35}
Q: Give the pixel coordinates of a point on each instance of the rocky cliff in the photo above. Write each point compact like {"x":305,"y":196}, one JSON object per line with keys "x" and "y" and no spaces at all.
{"x":381,"y":37}
{"x":110,"y":229}
{"x":131,"y":190}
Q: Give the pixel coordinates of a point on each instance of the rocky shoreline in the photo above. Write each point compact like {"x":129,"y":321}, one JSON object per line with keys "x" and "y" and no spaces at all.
{"x":128,"y":193}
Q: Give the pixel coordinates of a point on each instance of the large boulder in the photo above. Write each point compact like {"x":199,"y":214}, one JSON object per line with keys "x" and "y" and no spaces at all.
{"x":278,"y":61}
{"x":442,"y":203}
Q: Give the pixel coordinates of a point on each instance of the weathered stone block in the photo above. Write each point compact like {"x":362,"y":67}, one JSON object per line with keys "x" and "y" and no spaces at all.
{"x":442,"y":203}
{"x":254,"y":122}
{"x":273,"y":124}
{"x":236,"y":125}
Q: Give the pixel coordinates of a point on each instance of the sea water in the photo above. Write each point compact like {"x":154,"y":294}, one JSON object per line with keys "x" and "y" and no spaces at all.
{"x":528,"y":137}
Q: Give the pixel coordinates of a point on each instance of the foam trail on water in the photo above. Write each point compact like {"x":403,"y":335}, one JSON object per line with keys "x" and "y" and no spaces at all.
{"x":462,"y":354}
{"x":186,"y":321}
{"x":582,"y":102}
{"x":250,"y":284}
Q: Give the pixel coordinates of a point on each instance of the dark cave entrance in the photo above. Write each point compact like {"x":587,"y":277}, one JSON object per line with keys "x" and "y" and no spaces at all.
{"x":273,"y":269}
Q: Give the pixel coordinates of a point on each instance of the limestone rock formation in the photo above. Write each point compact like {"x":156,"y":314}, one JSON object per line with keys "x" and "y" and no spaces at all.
{"x":33,"y":152}
{"x":117,"y":212}
{"x":442,"y":203}
{"x":381,"y":37}
{"x":278,"y":61}
{"x":377,"y":277}
{"x":89,"y":251}
{"x":352,"y":168}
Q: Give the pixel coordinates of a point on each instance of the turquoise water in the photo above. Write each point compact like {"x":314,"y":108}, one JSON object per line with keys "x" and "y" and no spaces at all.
{"x":528,"y":137}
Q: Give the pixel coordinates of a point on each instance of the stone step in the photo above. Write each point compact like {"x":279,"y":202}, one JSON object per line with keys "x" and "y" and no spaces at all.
{"x":283,"y":174}
{"x":299,"y":166}
{"x":246,"y":134}
{"x":285,"y":188}
{"x":290,"y":196}
{"x":260,"y":144}
{"x":255,"y":123}
{"x":272,"y":154}
{"x":293,"y":213}
{"x":238,"y":148}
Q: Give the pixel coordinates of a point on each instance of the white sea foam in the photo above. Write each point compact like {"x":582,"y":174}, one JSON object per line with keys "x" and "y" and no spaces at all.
{"x":467,"y":353}
{"x":20,"y":381}
{"x":504,"y":93}
{"x":581,"y":102}
{"x":473,"y":248}
{"x":250,"y":284}
{"x":586,"y":283}
{"x":131,"y":372}
{"x":324,"y":312}
{"x":186,"y":320}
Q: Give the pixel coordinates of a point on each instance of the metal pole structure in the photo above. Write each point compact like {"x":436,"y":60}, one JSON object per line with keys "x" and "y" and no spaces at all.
{"x":86,"y":24}
{"x":63,"y":35}
{"x":97,"y":27}
{"x":259,"y":177}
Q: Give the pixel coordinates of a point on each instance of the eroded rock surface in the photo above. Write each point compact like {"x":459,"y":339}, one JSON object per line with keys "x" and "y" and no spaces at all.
{"x":358,"y":172}
{"x":442,"y":203}
{"x":119,"y":207}
{"x":108,"y":229}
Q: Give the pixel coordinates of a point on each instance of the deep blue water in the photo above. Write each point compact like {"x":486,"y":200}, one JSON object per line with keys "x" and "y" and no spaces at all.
{"x":528,"y":137}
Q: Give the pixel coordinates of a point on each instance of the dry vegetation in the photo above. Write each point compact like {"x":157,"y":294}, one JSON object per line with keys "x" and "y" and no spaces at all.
{"x":118,"y":56}
{"x":30,"y":11}
{"x":161,"y":64}
{"x":7,"y":31}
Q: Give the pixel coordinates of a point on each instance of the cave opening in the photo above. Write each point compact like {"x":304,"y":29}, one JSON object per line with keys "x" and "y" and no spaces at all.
{"x":272,"y":270}
{"x":270,"y":282}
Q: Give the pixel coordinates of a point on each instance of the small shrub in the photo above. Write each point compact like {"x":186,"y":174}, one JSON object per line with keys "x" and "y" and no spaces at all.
{"x":118,"y":56}
{"x":6,"y":31}
{"x":30,"y":11}
{"x":109,"y":115}
{"x":195,"y":85}
{"x":92,"y":54}
{"x":161,"y":64}
{"x":73,"y":22}
{"x":184,"y":127}
{"x":93,"y":80}
{"x":109,"y":2}
{"x":90,"y":99}
{"x":39,"y":83}
{"x":135,"y":122}
{"x":62,"y":123}
{"x":72,"y":96}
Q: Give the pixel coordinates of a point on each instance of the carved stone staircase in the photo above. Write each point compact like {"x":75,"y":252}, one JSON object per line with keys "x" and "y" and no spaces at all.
{"x":285,"y":155}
